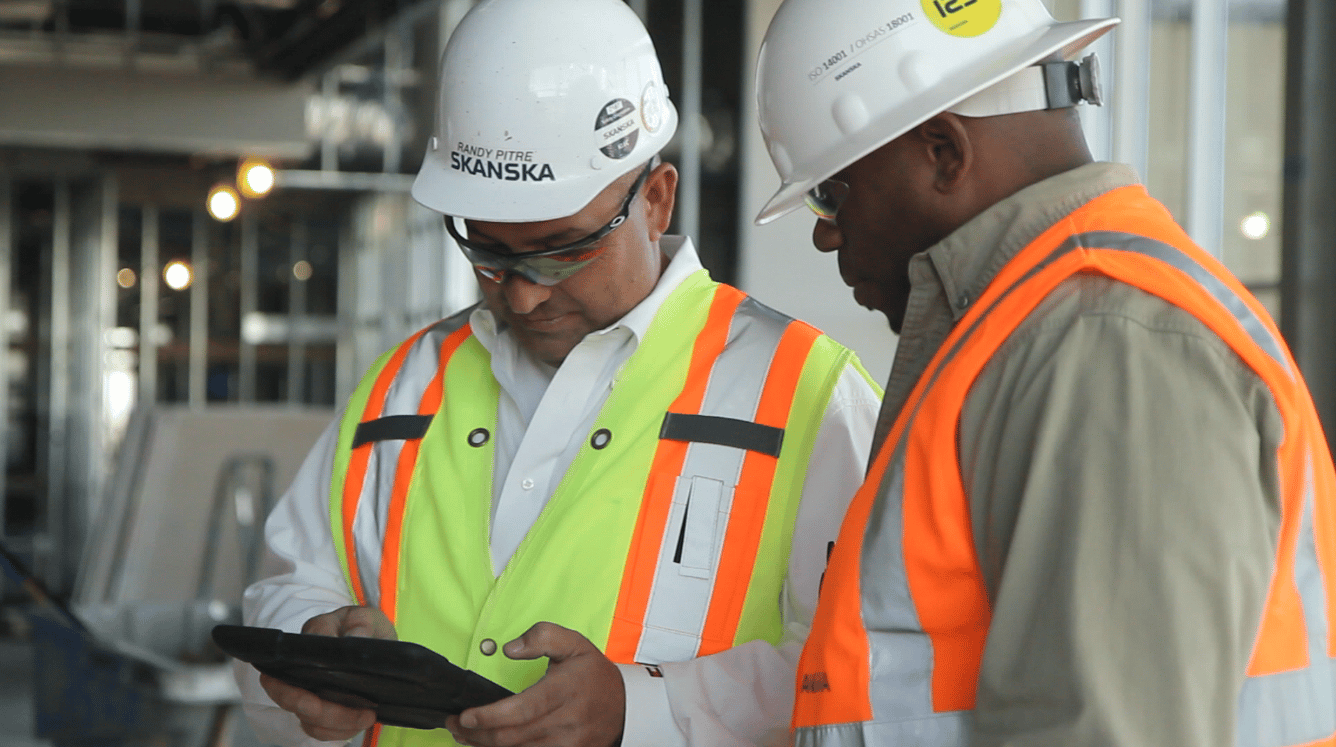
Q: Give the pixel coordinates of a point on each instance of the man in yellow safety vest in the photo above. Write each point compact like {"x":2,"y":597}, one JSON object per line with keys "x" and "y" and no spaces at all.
{"x":611,"y":486}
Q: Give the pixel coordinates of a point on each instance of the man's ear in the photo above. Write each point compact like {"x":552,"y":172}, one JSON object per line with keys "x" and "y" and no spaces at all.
{"x":660,"y":192}
{"x":949,"y":150}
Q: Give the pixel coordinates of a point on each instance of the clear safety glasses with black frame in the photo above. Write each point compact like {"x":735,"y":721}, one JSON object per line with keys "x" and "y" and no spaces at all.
{"x":826,"y":198}
{"x":545,"y":266}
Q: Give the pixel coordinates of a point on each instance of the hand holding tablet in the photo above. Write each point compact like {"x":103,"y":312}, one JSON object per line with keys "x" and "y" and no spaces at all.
{"x":404,"y":683}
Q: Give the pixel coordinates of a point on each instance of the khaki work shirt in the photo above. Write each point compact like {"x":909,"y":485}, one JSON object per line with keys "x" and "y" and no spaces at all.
{"x":1120,"y":463}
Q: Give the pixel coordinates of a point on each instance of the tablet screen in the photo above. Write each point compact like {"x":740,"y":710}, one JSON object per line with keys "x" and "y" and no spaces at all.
{"x":405,"y":683}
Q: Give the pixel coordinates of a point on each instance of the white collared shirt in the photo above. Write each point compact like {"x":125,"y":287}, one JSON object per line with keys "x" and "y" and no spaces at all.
{"x":704,"y":701}
{"x":535,"y":433}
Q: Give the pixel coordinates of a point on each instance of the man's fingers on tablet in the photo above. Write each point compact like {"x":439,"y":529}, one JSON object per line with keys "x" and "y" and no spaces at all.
{"x":366,"y":622}
{"x":363,"y":622}
{"x":548,"y":639}
{"x":523,"y":708}
{"x":283,"y":694}
{"x":326,"y":624}
{"x":324,"y":720}
{"x":523,"y":735}
{"x":316,"y":713}
{"x":332,"y":735}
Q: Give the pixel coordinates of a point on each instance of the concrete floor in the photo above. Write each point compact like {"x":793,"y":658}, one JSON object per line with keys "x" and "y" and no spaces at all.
{"x":16,"y":705}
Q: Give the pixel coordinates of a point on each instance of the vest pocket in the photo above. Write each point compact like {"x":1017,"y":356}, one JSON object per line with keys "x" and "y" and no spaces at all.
{"x":685,"y":579}
{"x":700,"y":525}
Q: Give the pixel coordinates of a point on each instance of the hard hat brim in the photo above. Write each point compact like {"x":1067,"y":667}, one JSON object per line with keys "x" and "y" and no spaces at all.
{"x":1068,"y":38}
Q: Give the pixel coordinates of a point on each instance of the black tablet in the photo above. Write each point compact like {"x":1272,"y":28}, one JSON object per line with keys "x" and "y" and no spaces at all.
{"x":406,"y":684}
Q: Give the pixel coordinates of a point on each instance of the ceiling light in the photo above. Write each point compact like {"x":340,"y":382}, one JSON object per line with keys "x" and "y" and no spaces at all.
{"x":1255,"y":226}
{"x":255,"y":178}
{"x":177,"y":275}
{"x":223,"y":203}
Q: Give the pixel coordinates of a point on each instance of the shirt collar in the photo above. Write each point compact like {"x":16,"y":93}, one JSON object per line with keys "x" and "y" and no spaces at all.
{"x":682,"y":262}
{"x":968,"y":259}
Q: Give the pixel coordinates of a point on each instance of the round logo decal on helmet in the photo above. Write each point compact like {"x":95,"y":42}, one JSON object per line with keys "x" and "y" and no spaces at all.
{"x":963,"y":17}
{"x":651,"y":108}
{"x":616,"y":129}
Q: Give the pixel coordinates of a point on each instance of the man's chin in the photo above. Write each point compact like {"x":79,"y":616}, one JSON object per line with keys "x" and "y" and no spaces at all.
{"x":872,"y":298}
{"x":549,"y":349}
{"x":868,"y":296}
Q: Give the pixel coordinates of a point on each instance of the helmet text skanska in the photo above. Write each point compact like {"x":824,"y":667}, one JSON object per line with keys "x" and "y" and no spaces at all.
{"x":504,"y":170}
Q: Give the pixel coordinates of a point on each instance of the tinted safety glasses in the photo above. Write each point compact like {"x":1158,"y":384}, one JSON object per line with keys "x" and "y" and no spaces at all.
{"x":545,"y":266}
{"x":825,"y":198}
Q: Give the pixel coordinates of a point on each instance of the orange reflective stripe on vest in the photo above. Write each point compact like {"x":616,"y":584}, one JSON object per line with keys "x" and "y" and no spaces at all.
{"x":747,"y":516}
{"x":911,"y":571}
{"x":403,"y":475}
{"x":638,"y":578}
{"x":357,"y":466}
{"x":747,"y":519}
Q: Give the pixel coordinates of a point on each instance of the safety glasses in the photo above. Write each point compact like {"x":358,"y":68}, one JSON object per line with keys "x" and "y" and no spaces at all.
{"x":545,"y":266}
{"x":825,"y":198}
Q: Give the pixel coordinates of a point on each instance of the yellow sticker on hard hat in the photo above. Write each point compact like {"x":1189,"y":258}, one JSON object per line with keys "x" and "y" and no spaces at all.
{"x":963,"y":17}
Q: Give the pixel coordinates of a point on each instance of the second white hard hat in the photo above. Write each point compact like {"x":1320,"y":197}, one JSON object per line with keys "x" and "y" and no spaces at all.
{"x":542,"y":105}
{"x":837,"y":81}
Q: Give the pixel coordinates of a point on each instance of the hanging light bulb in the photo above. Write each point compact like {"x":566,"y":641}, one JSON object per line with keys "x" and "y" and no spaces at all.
{"x":1255,"y":225}
{"x":223,"y":204}
{"x":255,"y":178}
{"x":177,"y":275}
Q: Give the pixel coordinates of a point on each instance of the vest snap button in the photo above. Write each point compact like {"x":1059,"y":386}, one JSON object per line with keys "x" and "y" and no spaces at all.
{"x":963,"y":300}
{"x":478,"y":437}
{"x":487,"y":647}
{"x":601,"y":438}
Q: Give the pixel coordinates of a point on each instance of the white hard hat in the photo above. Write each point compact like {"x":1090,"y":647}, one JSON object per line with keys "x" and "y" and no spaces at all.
{"x":836,"y":81}
{"x":542,"y":105}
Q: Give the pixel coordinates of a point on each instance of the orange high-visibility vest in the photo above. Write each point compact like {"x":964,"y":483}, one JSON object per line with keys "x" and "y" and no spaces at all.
{"x":906,"y":566}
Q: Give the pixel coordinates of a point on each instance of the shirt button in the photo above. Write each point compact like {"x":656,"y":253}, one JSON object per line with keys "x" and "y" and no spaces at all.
{"x":527,"y":484}
{"x":487,"y":647}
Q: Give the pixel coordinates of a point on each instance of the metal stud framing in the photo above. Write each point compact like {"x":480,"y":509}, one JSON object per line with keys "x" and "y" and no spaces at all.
{"x":57,"y":388}
{"x":7,"y":251}
{"x":296,"y":315}
{"x":1206,"y":124}
{"x":688,"y":188}
{"x":199,"y":309}
{"x":1308,"y":247}
{"x":149,"y":289}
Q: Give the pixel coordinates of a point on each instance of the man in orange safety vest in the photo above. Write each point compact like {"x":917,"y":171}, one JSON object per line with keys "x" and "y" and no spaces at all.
{"x":1102,"y":509}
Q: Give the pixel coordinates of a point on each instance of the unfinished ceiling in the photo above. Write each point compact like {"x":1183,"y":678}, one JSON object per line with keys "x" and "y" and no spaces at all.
{"x":190,"y":77}
{"x":282,"y":39}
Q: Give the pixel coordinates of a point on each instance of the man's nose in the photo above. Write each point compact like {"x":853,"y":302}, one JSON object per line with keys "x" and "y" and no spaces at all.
{"x":826,"y":236}
{"x":522,"y":294}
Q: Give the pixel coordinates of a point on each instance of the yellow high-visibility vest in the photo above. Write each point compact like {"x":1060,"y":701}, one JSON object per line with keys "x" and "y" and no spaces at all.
{"x":666,"y":539}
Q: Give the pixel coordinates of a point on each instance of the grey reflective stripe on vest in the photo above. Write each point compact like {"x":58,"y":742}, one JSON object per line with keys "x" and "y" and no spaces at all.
{"x":900,"y":653}
{"x":403,"y":398}
{"x":1176,"y":258}
{"x":680,"y":597}
{"x":942,"y":728}
{"x":1297,"y":707}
